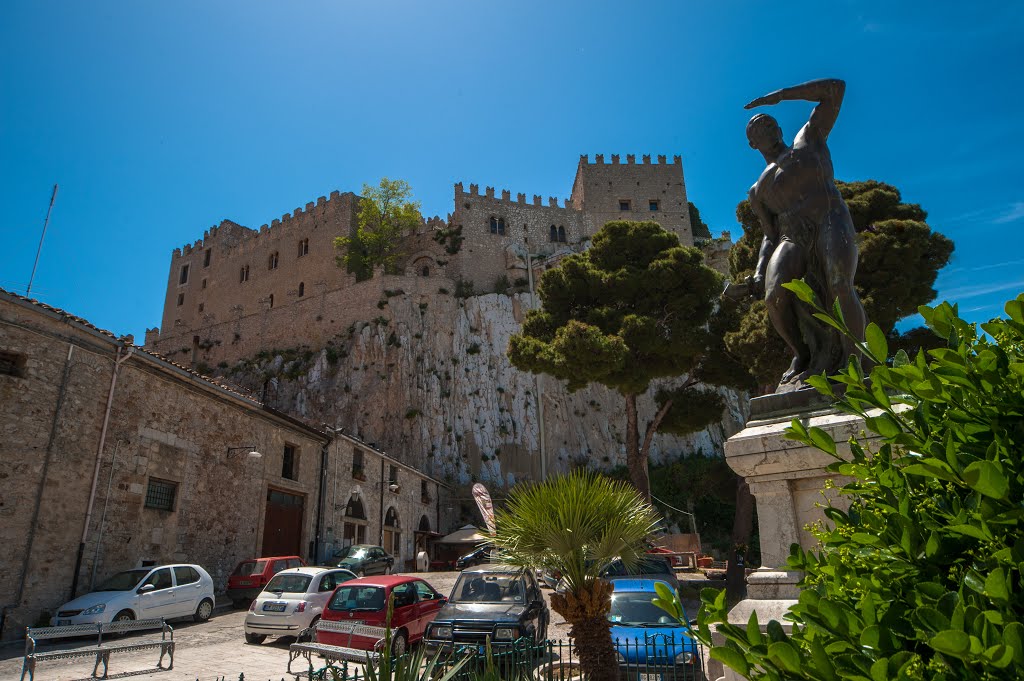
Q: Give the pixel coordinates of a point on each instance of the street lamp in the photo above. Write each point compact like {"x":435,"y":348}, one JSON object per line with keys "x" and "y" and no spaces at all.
{"x":250,"y":449}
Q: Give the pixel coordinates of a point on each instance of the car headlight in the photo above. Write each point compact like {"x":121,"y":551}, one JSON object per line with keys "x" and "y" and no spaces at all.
{"x":94,"y":610}
{"x":506,"y":633}
{"x":685,"y":657}
{"x":441,"y":632}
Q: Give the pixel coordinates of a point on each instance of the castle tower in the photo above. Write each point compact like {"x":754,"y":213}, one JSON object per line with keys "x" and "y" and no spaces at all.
{"x":633,"y":191}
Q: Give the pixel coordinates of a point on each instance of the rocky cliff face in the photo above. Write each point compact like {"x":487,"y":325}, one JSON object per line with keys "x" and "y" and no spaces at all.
{"x":428,"y":382}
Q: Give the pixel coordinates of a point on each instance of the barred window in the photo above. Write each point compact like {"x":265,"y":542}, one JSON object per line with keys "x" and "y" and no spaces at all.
{"x":160,"y":494}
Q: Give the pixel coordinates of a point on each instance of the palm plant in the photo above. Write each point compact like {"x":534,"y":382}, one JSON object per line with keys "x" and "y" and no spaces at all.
{"x":578,"y":524}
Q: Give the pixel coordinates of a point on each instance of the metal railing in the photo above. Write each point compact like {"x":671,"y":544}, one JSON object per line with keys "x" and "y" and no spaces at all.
{"x":655,"y":657}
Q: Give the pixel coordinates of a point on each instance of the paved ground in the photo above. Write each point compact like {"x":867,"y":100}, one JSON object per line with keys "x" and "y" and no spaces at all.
{"x":210,"y":651}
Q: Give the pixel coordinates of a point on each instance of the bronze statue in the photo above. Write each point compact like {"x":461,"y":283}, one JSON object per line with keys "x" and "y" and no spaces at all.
{"x":808,"y":233}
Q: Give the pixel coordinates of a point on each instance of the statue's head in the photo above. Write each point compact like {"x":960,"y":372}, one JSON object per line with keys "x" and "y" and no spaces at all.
{"x":764,"y":133}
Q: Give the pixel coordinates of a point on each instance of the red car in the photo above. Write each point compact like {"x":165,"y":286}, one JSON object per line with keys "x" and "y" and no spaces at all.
{"x":365,"y":600}
{"x":250,"y":576}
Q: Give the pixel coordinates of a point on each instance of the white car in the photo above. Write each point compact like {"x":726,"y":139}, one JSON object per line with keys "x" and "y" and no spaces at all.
{"x":292,"y":601}
{"x":165,"y":591}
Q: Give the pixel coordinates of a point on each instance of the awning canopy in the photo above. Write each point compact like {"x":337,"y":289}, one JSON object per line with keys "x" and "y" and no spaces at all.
{"x":464,"y":535}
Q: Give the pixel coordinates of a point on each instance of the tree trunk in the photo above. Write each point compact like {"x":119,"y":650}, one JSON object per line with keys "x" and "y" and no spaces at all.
{"x":587,"y":611}
{"x":742,"y":527}
{"x":636,"y":460}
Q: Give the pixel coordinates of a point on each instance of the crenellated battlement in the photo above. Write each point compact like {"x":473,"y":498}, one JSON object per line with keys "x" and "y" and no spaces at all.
{"x":506,"y":197}
{"x":242,"y":233}
{"x":630,"y":160}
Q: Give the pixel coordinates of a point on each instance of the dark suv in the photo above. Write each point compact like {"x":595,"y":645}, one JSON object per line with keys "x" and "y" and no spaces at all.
{"x":496,"y":602}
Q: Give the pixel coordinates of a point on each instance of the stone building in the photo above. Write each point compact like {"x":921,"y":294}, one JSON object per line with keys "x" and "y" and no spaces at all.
{"x":114,"y":457}
{"x":238,"y":291}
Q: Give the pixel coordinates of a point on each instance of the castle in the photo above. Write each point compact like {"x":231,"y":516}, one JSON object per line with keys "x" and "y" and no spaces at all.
{"x":238,"y":291}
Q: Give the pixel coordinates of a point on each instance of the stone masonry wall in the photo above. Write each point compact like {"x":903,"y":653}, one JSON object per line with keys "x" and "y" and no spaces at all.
{"x":599,"y":188}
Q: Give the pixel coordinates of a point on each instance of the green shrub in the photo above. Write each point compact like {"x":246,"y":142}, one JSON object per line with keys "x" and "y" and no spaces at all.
{"x":463,"y":288}
{"x":922,"y":577}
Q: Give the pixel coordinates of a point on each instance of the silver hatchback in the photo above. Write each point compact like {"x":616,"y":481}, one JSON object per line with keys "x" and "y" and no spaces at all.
{"x":292,"y":601}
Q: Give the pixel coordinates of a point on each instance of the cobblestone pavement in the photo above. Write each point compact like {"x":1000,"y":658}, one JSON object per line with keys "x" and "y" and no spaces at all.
{"x":207,"y":651}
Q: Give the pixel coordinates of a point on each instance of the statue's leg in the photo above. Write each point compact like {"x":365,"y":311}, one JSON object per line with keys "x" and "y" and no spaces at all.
{"x":786,"y":264}
{"x":839,"y":250}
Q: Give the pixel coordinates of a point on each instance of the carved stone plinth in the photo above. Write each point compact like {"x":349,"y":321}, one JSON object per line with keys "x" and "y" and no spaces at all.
{"x":787,"y":480}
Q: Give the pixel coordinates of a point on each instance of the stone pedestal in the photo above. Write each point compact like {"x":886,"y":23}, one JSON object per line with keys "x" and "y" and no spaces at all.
{"x":787,"y":480}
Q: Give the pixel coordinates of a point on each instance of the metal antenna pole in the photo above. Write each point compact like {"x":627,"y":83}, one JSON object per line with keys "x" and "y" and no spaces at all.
{"x":39,"y":250}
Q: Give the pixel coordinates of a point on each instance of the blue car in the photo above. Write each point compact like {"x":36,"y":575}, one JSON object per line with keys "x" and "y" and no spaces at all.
{"x":649,"y":642}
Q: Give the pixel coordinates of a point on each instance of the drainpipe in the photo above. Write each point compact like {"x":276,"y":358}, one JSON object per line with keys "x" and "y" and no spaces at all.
{"x":39,"y":494}
{"x":118,"y":360}
{"x":322,"y":491}
{"x":536,"y":379}
{"x":103,"y":515}
{"x":380,"y":488}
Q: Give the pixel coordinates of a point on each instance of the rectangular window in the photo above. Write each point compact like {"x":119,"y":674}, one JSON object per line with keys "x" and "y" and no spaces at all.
{"x":424,"y":492}
{"x":160,"y":494}
{"x":12,"y":364}
{"x":290,"y":463}
{"x":201,"y":306}
{"x":653,"y":205}
{"x":204,"y":283}
{"x":183,"y":276}
{"x":181,"y":299}
{"x":357,"y":465}
{"x":304,"y":247}
{"x":392,"y":475}
{"x":206,"y":258}
{"x":243,"y":274}
{"x":624,"y":204}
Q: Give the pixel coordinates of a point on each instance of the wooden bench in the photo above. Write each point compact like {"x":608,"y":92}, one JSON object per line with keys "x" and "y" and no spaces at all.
{"x":101,"y":650}
{"x":336,"y":653}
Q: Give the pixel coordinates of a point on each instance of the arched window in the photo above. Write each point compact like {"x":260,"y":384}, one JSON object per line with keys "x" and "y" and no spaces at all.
{"x":391,"y":519}
{"x":243,"y":274}
{"x":561,"y":234}
{"x":302,"y":288}
{"x":497,"y":226}
{"x":553,"y":234}
{"x":272,"y":261}
{"x":425,"y":272}
{"x":304,"y":247}
{"x":424,"y":524}
{"x":354,"y":508}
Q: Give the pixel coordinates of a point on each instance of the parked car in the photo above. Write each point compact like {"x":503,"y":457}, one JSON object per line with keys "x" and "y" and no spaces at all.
{"x":649,"y":642}
{"x":166,"y":591}
{"x":649,"y":565}
{"x":292,"y":601}
{"x":364,"y":559}
{"x":251,"y":575}
{"x":496,"y":602}
{"x":478,"y":556}
{"x":365,"y":601}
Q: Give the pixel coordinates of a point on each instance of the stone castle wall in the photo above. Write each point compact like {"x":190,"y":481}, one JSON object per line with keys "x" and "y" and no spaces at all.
{"x":652,"y":191}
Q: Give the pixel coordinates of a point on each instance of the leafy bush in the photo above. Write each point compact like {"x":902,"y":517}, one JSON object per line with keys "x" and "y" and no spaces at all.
{"x":921,"y":577}
{"x":463,"y":288}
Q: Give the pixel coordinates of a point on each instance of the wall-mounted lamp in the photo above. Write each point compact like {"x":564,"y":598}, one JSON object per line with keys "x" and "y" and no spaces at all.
{"x":250,"y":450}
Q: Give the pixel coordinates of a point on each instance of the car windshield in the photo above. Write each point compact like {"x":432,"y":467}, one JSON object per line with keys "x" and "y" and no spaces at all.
{"x":249,"y":567}
{"x":353,"y":598}
{"x":296,"y":584}
{"x":489,"y":587}
{"x":123,"y":581}
{"x":635,"y":608}
{"x":351,"y":552}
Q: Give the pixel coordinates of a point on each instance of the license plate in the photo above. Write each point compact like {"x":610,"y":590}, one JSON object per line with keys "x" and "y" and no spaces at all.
{"x":63,"y":623}
{"x":245,"y":583}
{"x":274,"y":607}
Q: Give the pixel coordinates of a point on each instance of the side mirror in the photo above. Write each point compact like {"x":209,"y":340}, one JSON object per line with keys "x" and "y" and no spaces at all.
{"x":442,"y":600}
{"x":145,"y":588}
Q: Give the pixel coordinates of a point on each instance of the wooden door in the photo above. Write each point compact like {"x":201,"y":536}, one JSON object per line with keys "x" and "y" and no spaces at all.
{"x":282,"y":528}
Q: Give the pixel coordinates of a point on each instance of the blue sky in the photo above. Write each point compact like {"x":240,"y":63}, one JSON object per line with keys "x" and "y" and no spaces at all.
{"x":159,"y":120}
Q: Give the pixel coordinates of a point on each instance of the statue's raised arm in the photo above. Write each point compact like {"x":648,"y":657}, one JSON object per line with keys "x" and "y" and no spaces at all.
{"x":828,"y":92}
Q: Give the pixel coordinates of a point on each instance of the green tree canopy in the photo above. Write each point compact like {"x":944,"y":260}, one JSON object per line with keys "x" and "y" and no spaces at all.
{"x":386,"y":214}
{"x":900,"y":257}
{"x":633,"y":308}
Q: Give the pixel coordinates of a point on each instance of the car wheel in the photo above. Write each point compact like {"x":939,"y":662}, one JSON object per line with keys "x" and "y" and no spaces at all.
{"x":399,"y":644}
{"x":124,"y":616}
{"x":204,"y":610}
{"x":255,"y":639}
{"x":304,"y":637}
